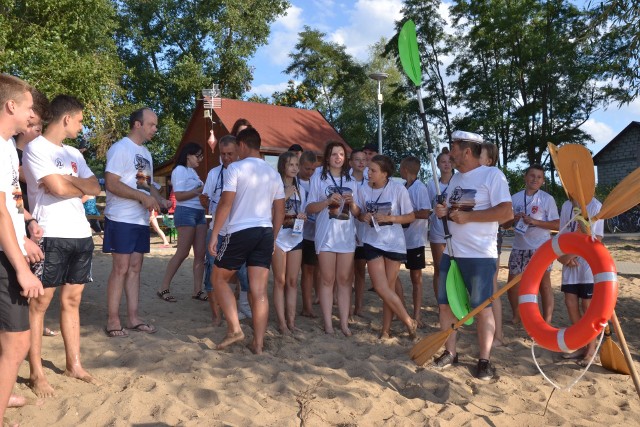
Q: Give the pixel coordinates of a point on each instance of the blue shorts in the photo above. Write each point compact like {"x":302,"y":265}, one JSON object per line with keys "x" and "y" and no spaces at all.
{"x":125,"y":238}
{"x":241,"y":274}
{"x":188,"y":217}
{"x":477,"y":274}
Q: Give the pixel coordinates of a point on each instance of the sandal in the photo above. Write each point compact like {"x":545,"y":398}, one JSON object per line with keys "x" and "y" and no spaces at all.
{"x":166,"y":295}
{"x":201,"y":296}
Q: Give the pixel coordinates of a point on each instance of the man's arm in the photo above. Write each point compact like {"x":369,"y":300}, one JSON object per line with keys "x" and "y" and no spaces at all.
{"x":500,"y":213}
{"x":117,"y":187}
{"x":88,"y":186}
{"x":422,"y":214}
{"x":59,"y":186}
{"x":278,"y":216}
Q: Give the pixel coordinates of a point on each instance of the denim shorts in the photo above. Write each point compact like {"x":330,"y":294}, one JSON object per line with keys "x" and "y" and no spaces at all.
{"x":477,"y":274}
{"x":188,"y":217}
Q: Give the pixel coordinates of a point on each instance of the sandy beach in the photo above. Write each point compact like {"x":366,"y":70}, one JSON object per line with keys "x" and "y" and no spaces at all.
{"x":175,"y":377}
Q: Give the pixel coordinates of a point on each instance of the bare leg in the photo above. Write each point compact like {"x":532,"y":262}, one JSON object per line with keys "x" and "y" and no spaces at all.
{"x":327,"y":265}
{"x":306,"y":283}
{"x":513,"y":300}
{"x":186,"y":237}
{"x":13,"y":349}
{"x":591,"y":347}
{"x":279,"y":265}
{"x":70,"y":297}
{"x":37,"y":309}
{"x":199,"y":248}
{"x":227,"y":301}
{"x":447,"y":318}
{"x":416,"y":283}
{"x":486,"y":329}
{"x":496,"y":307}
{"x":259,"y":277}
{"x":546,"y":294}
{"x":358,"y":284}
{"x":156,"y":228}
{"x":437,"y":249}
{"x":115,"y":286}
{"x":294,"y":258}
{"x":344,"y":267}
{"x":132,"y":288}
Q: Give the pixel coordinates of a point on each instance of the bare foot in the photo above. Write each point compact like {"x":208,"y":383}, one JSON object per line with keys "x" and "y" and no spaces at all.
{"x":346,"y":331}
{"x":284,"y":330}
{"x":329,"y":331}
{"x":230,"y":339}
{"x":49,"y":332}
{"x":293,"y":328}
{"x":41,"y":387}
{"x":308,"y":314}
{"x":16,"y":401}
{"x":412,"y":328}
{"x":254,"y":348}
{"x":578,"y":354}
{"x":83,"y":375}
{"x":497,"y":343}
{"x":420,"y":323}
{"x":384,"y":336}
{"x":515,"y":321}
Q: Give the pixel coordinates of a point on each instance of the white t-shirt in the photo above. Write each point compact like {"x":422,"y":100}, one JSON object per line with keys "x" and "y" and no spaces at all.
{"x":213,"y":188}
{"x":186,"y":179}
{"x":392,"y":199}
{"x":134,"y":165}
{"x":436,"y":228}
{"x":479,"y":189}
{"x":10,"y":186}
{"x":256,"y":185}
{"x":415,"y":235}
{"x":335,"y":227}
{"x":360,"y":226}
{"x":58,"y":216}
{"x":294,"y":205}
{"x":582,"y":273}
{"x":309,"y":230}
{"x":540,"y":206}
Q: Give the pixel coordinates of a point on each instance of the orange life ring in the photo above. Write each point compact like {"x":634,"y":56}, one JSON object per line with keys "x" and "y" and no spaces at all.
{"x":605,"y":292}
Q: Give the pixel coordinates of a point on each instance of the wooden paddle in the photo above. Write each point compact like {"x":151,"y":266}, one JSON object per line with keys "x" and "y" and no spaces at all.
{"x":424,"y":350}
{"x":611,"y":356}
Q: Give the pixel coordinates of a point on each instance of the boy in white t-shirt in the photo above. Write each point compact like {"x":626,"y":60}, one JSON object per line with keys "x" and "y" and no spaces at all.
{"x":57,"y":178}
{"x":534,"y":214}
{"x":17,"y":283}
{"x":310,"y":277}
{"x":577,"y":277}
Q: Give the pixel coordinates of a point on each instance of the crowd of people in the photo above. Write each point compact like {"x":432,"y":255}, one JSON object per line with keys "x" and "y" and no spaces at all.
{"x":329,"y":223}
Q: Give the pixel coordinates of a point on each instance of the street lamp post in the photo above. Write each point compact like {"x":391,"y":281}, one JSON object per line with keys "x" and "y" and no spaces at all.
{"x":379,"y":77}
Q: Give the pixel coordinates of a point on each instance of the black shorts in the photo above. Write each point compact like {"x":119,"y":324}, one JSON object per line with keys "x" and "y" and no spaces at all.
{"x":371,"y":253}
{"x":309,"y":256}
{"x":14,"y":308}
{"x":415,"y":259}
{"x":359,"y":254}
{"x":252,"y":245}
{"x":583,"y":290}
{"x":65,"y":261}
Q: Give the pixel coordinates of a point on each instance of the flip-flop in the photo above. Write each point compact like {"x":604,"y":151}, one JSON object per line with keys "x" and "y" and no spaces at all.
{"x":201,"y":296}
{"x":166,"y":295}
{"x":140,"y":328}
{"x":49,"y":332}
{"x":111,"y":333}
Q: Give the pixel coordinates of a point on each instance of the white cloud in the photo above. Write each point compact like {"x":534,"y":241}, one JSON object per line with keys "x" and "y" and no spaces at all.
{"x":284,"y":35}
{"x":601,"y":133}
{"x":268,"y":89}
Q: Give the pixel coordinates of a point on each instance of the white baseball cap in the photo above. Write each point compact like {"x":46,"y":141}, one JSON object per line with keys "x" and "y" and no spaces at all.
{"x":461,"y":135}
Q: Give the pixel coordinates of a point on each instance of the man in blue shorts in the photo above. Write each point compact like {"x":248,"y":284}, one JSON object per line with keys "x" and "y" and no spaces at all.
{"x":17,"y":283}
{"x":131,"y":195}
{"x":57,"y":177}
{"x":251,"y":190}
{"x":477,"y":201}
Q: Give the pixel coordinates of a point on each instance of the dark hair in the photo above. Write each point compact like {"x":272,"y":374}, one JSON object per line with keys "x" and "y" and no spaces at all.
{"x":249,"y":137}
{"x":40,"y":105}
{"x":370,"y":147}
{"x":492,"y":152}
{"x":62,"y":105}
{"x":385,"y":163}
{"x":411,"y":164}
{"x":137,"y":116}
{"x":476,"y":148}
{"x":308,"y":157}
{"x":238,"y":124}
{"x":354,"y":152}
{"x":227,"y":139}
{"x":444,"y":151}
{"x":12,"y":88}
{"x":189,"y":148}
{"x":534,"y":166}
{"x":296,"y":148}
{"x":327,"y":155}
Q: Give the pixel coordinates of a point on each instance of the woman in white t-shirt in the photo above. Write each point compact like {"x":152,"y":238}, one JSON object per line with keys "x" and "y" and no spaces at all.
{"x":287,"y":257}
{"x":385,"y":205}
{"x":189,"y":220}
{"x":436,"y":229}
{"x":332,"y":198}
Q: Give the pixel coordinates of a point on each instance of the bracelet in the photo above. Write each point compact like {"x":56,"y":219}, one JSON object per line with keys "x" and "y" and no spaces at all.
{"x":27,"y":222}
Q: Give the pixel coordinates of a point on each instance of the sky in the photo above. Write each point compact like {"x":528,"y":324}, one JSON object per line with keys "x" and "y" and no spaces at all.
{"x":357,"y":24}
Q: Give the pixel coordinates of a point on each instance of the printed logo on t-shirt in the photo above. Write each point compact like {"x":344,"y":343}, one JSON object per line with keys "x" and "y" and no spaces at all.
{"x":291,"y":209}
{"x":338,"y":210}
{"x":462,"y":199}
{"x":74,"y":167}
{"x":59,"y":163}
{"x":143,"y":176}
{"x":534,"y":210}
{"x":383,"y":208}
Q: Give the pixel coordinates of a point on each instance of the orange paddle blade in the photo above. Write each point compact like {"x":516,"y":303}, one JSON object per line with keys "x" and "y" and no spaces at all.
{"x":427,"y":347}
{"x":572,"y":157}
{"x":622,"y":198}
{"x":553,"y":151}
{"x":611,"y":356}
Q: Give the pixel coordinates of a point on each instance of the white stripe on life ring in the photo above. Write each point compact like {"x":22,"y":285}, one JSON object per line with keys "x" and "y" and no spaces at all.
{"x":555,"y":245}
{"x":532,"y":298}
{"x":605,"y":276}
{"x":561,"y":343}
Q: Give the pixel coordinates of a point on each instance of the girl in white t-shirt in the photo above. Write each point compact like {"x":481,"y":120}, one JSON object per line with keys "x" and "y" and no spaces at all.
{"x":189,"y":220}
{"x":332,"y":198}
{"x":384,"y":206}
{"x":287,"y":256}
{"x":436,"y":230}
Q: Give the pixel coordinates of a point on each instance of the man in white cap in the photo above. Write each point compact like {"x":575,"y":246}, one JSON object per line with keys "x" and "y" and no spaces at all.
{"x":478,"y":200}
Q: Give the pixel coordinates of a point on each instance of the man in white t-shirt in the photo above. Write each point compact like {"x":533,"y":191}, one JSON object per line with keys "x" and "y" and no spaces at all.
{"x":477,"y":201}
{"x":57,"y":177}
{"x":17,"y":282}
{"x":130,"y":198}
{"x":252,"y":191}
{"x":535,"y":214}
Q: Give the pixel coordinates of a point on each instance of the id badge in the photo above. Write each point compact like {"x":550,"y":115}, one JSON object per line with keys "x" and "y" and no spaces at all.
{"x":297,"y":226}
{"x":375,"y":224}
{"x":521,"y":227}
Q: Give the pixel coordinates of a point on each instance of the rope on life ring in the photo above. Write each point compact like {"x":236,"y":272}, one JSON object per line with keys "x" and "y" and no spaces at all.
{"x":605,"y":292}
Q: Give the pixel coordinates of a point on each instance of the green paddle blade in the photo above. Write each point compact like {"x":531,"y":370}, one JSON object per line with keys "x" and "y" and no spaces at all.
{"x":409,"y":54}
{"x":457,"y":293}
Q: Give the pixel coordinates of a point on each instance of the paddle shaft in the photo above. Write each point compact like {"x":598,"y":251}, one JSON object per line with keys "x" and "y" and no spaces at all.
{"x":625,"y":351}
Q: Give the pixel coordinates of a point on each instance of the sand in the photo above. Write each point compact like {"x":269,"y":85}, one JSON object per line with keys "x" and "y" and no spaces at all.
{"x":175,"y":377}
